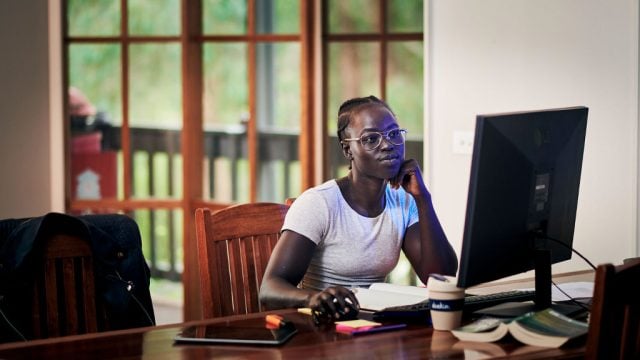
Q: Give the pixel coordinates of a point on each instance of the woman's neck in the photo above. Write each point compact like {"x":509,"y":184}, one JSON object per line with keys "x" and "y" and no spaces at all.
{"x":365,"y":196}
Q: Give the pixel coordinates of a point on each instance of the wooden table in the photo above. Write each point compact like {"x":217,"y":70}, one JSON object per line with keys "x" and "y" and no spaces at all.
{"x":417,"y":341}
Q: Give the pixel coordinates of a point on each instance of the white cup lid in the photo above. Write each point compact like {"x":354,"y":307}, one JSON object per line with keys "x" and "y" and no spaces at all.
{"x":450,"y":285}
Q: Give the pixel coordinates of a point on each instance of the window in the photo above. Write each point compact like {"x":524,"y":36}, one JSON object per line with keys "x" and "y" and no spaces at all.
{"x":178,"y":104}
{"x":373,"y":48}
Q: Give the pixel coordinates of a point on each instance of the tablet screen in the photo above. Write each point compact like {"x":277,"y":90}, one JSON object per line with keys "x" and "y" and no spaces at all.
{"x":229,"y":334}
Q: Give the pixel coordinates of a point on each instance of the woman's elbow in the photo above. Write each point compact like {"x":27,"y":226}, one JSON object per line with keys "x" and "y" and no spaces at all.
{"x":264,"y":294}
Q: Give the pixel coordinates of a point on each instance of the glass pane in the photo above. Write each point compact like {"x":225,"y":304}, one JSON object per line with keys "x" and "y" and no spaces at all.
{"x":278,"y":16}
{"x":155,"y":119}
{"x":93,"y":18}
{"x":155,"y":85}
{"x":278,"y":86}
{"x":154,"y":17}
{"x":278,"y":112}
{"x":405,"y":90}
{"x":224,"y":17}
{"x":94,"y":110}
{"x":405,"y":16}
{"x":354,"y":16}
{"x":226,"y":111}
{"x":405,"y":84}
{"x":354,"y":71}
{"x":161,"y":232}
{"x":94,"y":70}
{"x":226,"y":100}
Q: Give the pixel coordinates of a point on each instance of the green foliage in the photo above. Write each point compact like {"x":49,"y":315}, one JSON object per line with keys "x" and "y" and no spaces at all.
{"x":224,"y":17}
{"x":155,"y":97}
{"x":405,"y":92}
{"x":286,"y":16}
{"x":154,"y":17}
{"x":353,"y":16}
{"x":405,"y":16}
{"x":93,"y":17}
{"x":226,"y":94}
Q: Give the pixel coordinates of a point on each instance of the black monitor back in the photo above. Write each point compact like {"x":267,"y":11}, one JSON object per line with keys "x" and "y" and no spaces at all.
{"x":523,"y":191}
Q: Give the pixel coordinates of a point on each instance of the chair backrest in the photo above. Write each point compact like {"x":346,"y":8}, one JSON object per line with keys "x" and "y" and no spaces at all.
{"x":615,"y":314}
{"x":234,"y":246}
{"x":64,"y":301}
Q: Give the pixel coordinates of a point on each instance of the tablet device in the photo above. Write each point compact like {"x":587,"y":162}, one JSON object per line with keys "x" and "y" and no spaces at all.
{"x":225,"y":333}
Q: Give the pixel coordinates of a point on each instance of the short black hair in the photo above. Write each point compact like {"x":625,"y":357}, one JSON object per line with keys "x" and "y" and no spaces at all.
{"x":352,"y":106}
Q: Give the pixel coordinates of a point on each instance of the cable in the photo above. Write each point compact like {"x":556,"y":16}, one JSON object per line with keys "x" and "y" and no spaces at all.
{"x":143,"y":309}
{"x":571,"y":298}
{"x":570,"y":248}
{"x":129,"y":287}
{"x":12,"y":327}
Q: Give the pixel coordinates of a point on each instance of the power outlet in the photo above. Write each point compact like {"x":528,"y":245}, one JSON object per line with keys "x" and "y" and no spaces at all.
{"x":463,"y":142}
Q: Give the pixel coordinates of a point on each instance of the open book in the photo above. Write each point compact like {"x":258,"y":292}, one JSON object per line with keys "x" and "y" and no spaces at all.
{"x":546,"y":328}
{"x":383,"y":295}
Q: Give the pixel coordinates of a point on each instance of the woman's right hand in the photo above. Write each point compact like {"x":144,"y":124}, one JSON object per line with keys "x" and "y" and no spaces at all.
{"x":334,"y":302}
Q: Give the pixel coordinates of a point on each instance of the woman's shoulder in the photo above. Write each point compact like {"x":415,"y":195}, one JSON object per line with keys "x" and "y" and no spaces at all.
{"x":325,"y":192}
{"x":327,"y":189}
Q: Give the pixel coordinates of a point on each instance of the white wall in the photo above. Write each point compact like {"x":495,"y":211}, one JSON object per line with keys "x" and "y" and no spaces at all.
{"x":25,"y":182}
{"x":507,"y":55}
{"x":31,"y":95}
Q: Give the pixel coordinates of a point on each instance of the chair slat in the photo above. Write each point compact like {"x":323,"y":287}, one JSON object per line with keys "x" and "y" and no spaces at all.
{"x":89,"y":309}
{"x":70,"y":305}
{"x":51,"y":300}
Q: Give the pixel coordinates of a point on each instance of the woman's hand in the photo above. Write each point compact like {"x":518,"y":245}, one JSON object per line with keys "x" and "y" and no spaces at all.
{"x":410,"y":178}
{"x":334,"y":302}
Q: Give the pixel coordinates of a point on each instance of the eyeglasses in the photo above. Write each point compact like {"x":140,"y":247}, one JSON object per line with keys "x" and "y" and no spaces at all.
{"x":371,"y":140}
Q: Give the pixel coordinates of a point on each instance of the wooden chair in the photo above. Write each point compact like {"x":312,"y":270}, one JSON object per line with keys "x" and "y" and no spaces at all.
{"x":64,"y":301}
{"x":234,"y":246}
{"x":615,"y":314}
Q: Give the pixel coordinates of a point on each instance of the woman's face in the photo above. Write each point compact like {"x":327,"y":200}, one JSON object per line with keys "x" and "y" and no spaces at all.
{"x":384,"y":161}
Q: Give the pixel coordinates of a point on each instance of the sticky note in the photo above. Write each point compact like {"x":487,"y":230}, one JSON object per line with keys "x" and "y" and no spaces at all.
{"x":354,"y":324}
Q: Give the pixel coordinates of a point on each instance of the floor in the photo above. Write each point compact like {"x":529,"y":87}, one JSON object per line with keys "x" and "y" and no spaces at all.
{"x":167,"y":313}
{"x":167,"y":301}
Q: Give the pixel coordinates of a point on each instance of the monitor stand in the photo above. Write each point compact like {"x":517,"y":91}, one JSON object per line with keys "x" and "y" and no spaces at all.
{"x":542,"y":271}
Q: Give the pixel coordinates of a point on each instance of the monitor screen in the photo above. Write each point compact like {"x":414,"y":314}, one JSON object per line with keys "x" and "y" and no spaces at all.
{"x":523,"y":193}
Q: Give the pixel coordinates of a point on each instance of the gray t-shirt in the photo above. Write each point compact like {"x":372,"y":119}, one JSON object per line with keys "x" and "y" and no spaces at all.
{"x":352,"y":250}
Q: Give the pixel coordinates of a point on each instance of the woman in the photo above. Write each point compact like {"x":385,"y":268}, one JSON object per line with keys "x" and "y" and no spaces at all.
{"x":349,"y":232}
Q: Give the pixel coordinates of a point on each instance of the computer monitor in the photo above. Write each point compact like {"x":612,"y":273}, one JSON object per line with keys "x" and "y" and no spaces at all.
{"x":523,"y":195}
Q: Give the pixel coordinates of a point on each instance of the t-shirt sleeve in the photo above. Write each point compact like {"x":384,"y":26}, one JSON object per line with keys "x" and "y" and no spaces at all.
{"x":308,"y":216}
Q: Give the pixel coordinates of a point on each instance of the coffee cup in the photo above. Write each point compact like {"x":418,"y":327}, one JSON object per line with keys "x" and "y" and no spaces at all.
{"x":446,"y":301}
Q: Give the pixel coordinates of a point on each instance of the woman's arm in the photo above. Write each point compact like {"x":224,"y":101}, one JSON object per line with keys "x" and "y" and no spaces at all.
{"x":425,"y":242}
{"x":287,"y":265}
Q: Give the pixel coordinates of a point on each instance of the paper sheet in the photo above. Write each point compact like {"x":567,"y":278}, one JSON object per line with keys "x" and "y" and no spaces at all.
{"x":576,"y":290}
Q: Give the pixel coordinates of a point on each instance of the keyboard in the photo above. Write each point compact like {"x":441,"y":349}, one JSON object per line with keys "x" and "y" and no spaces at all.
{"x":477,"y":302}
{"x":471,"y":303}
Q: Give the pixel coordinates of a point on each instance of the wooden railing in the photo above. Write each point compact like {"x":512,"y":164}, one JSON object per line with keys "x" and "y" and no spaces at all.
{"x":163,"y":248}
